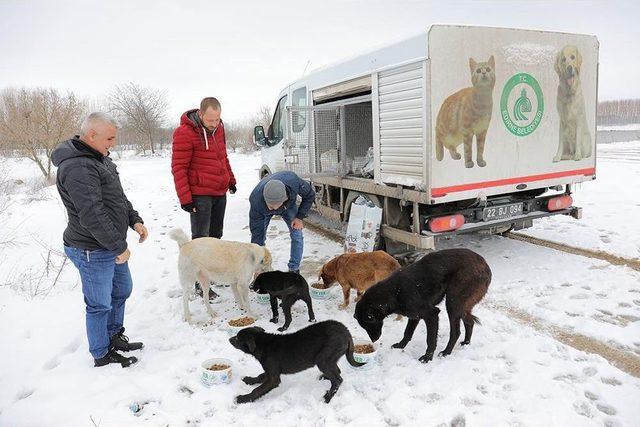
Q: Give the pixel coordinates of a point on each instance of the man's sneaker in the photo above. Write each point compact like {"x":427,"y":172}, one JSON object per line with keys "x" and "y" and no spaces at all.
{"x":120,"y":342}
{"x":212,"y":294}
{"x":114,"y":357}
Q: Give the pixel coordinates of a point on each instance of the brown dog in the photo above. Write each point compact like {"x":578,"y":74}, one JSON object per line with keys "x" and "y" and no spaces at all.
{"x":357,"y":271}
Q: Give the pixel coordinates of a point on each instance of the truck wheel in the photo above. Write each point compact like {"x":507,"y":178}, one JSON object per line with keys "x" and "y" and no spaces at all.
{"x":264,"y":172}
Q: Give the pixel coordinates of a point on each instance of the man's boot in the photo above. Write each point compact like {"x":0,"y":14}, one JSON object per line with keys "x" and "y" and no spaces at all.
{"x":114,"y":357}
{"x":120,"y":342}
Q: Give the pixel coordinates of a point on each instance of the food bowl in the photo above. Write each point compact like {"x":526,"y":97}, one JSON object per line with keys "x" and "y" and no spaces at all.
{"x":215,"y":371}
{"x":236,"y":325}
{"x":364,"y":352}
{"x":319,"y":293}
{"x":263,"y":298}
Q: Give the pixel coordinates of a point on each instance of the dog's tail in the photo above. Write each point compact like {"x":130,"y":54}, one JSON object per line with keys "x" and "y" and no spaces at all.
{"x":476,"y":320}
{"x":349,"y":355}
{"x":179,"y":236}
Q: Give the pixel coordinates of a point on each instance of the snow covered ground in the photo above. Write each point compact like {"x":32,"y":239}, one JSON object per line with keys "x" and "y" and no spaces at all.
{"x":510,"y":374}
{"x":611,"y":206}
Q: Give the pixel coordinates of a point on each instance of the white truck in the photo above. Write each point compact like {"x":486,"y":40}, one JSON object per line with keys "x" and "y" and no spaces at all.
{"x":455,"y":130}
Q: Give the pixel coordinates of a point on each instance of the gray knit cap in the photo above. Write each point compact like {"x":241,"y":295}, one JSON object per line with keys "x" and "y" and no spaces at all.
{"x":274,"y":192}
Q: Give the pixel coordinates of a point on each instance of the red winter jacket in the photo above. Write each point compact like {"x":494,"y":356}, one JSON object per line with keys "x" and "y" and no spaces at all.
{"x":199,"y":160}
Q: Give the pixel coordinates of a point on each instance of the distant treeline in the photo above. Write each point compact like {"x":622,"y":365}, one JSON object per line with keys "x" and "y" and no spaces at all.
{"x":621,"y":112}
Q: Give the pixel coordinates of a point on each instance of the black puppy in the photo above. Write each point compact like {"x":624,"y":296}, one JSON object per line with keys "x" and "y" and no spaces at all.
{"x":321,"y":345}
{"x":287,"y":286}
{"x":461,"y":275}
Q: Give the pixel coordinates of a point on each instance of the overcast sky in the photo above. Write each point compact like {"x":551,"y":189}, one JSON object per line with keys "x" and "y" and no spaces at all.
{"x":245,"y":52}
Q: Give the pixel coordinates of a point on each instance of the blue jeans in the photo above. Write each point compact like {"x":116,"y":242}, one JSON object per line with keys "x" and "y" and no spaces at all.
{"x":105,"y":286}
{"x":259,"y":233}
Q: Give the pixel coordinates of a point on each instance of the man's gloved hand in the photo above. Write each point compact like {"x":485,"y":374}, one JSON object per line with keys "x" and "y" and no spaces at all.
{"x":232,"y":189}
{"x":189,"y":207}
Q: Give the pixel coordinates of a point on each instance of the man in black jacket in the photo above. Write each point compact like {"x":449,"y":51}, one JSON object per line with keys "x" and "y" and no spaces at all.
{"x":95,"y":239}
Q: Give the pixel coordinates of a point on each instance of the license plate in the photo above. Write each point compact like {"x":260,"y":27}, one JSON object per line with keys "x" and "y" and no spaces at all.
{"x":501,"y":212}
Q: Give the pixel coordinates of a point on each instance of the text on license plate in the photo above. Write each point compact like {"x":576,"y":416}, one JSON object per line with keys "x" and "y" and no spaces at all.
{"x":501,"y":212}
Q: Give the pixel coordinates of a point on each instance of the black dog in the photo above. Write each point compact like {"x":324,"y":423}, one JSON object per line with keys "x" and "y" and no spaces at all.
{"x":288,"y":286}
{"x":320,"y":345}
{"x":414,"y":291}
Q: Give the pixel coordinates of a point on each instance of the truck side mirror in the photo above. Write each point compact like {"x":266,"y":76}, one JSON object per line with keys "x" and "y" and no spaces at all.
{"x":258,"y":136}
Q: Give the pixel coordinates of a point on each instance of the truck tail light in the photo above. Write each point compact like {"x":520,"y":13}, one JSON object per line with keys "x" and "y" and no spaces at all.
{"x":446,"y":223}
{"x":558,"y":203}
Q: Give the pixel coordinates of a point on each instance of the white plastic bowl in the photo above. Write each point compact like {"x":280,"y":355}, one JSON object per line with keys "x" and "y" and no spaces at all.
{"x":368,"y":358}
{"x":233,"y":330}
{"x":263,"y":298}
{"x":209,"y":377}
{"x":319,"y":294}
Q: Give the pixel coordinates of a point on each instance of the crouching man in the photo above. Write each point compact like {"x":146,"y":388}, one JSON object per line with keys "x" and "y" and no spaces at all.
{"x":276,"y":194}
{"x":95,"y":238}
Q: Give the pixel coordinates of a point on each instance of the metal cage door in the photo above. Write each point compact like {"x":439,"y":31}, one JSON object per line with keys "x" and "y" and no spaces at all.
{"x":314,"y":143}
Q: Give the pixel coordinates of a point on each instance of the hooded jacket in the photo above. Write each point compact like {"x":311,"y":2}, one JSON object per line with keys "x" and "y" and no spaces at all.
{"x":199,"y":160}
{"x":98,"y":210}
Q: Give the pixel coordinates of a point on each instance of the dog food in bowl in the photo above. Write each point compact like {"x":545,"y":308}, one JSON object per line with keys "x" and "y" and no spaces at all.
{"x":364,"y":352}
{"x":236,"y":325}
{"x":215,"y":371}
{"x":242,"y":322}
{"x":263,"y":298}
{"x":364,"y":348}
{"x":317,"y":291}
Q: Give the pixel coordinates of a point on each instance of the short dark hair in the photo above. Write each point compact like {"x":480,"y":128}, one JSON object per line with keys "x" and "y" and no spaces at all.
{"x":209,"y":102}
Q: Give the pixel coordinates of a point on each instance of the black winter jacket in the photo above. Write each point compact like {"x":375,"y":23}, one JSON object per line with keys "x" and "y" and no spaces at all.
{"x":98,"y":210}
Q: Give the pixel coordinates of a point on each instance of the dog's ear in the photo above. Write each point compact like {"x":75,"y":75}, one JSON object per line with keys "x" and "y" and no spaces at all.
{"x":472,"y":65}
{"x":492,"y":63}
{"x":251,"y":343}
{"x":557,"y":63}
{"x":578,"y":60}
{"x":375,"y":313}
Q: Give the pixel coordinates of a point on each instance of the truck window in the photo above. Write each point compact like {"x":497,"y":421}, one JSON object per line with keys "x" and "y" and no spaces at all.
{"x":299,"y":118}
{"x":276,"y":131}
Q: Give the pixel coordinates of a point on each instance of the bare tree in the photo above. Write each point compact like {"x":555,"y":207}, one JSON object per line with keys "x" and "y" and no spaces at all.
{"x":239,"y":134}
{"x":34,"y":121}
{"x":142,"y":109}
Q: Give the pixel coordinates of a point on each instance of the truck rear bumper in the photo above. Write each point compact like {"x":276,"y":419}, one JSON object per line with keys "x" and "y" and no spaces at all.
{"x":515,"y":223}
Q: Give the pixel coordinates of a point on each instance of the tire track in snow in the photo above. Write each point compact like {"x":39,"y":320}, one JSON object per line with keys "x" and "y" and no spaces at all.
{"x":601,"y":255}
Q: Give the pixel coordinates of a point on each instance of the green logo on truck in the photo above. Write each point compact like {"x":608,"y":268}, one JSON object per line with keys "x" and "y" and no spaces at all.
{"x":521,"y":104}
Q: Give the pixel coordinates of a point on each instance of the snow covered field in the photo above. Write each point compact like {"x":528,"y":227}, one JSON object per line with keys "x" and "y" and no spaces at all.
{"x":510,"y":374}
{"x":611,"y":206}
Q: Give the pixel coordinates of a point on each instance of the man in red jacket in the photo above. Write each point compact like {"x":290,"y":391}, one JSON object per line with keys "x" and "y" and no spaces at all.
{"x":201,"y":169}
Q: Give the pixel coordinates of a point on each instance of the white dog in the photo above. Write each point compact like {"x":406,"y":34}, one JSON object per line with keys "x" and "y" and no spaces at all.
{"x":575,"y":139}
{"x":208,"y":259}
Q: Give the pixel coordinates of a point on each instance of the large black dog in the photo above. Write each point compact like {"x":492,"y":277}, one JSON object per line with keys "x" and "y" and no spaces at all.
{"x":288,"y":286}
{"x":461,"y":275}
{"x":321,"y":345}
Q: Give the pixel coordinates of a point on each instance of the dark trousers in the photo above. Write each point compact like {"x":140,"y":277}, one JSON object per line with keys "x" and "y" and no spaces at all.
{"x":208,"y":219}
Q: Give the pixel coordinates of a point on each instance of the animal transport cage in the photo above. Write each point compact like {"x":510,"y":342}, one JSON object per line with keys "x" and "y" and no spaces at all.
{"x":334,"y":139}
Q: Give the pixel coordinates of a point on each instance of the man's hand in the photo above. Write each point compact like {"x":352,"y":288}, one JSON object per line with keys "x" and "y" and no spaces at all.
{"x":232,"y":189}
{"x":189,"y":207}
{"x":142,"y":231}
{"x":297,"y":224}
{"x":123,"y":257}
